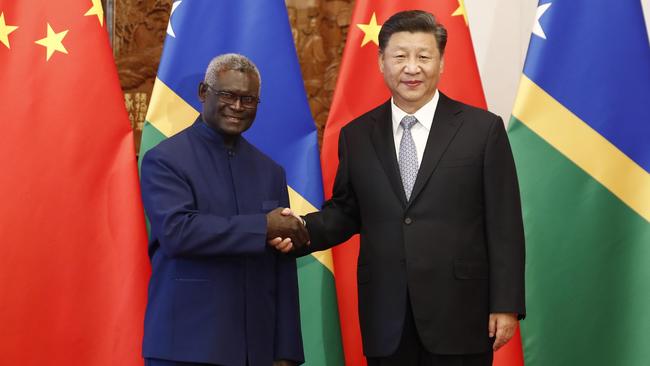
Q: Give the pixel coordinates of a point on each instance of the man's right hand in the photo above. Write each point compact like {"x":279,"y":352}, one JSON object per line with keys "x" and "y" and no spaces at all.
{"x":285,"y":226}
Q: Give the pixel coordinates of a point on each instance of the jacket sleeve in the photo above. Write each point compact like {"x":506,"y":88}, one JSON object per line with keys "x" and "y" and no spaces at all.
{"x":288,"y":336}
{"x":183,"y":231}
{"x":504,"y":224}
{"x":339,"y":218}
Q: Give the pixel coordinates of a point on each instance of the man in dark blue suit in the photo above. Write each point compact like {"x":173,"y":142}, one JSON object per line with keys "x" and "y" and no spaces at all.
{"x":219,"y":293}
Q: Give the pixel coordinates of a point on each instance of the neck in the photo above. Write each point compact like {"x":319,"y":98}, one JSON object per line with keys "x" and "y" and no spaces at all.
{"x":411,"y":108}
{"x":229,"y":141}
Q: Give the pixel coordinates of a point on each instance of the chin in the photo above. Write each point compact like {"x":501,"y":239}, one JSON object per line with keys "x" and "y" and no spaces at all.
{"x":233,"y":132}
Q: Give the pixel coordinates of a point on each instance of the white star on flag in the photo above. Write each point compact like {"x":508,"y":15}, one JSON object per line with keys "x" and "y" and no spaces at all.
{"x":170,"y":30}
{"x":537,"y":28}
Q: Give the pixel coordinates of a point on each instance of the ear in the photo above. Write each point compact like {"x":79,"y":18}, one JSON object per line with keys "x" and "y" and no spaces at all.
{"x":203,"y":89}
{"x":380,"y":60}
{"x":442,"y":64}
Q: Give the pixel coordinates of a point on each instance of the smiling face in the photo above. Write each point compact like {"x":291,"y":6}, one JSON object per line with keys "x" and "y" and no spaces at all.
{"x":411,"y":64}
{"x":230,"y":120}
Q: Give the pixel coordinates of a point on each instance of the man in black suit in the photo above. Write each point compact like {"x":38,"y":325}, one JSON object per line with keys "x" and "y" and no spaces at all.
{"x":430,"y":184}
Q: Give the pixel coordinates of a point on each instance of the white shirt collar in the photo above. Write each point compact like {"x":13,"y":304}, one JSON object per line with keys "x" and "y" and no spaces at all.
{"x":424,"y":115}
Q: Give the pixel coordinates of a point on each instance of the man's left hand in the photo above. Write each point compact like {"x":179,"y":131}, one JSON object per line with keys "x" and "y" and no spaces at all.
{"x":503,"y":326}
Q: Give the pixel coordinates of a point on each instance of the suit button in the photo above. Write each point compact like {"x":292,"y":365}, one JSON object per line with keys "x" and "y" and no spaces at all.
{"x":408,"y":221}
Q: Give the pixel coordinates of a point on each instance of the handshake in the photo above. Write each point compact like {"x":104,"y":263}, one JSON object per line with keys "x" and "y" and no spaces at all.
{"x":286,"y":231}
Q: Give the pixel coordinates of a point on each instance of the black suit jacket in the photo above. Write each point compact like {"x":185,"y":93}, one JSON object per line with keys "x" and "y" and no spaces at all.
{"x":457,"y":246}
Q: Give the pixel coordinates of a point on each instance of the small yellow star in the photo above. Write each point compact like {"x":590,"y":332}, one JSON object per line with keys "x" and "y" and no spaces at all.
{"x":53,"y":41}
{"x":371,"y":31}
{"x":461,"y":11}
{"x":96,"y":10}
{"x":5,"y":30}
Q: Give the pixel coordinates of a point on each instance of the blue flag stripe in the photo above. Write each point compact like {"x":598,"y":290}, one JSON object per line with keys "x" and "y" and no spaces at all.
{"x":595,"y":60}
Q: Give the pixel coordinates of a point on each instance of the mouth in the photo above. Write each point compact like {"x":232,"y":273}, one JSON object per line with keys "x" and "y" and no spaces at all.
{"x":412,"y":83}
{"x":233,"y":119}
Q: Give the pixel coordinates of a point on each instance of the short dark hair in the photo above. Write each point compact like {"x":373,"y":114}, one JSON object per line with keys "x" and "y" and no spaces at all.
{"x":413,"y":21}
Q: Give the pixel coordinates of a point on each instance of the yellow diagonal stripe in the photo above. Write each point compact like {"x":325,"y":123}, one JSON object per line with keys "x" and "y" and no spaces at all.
{"x":302,"y":207}
{"x":168,"y":112}
{"x":567,"y":133}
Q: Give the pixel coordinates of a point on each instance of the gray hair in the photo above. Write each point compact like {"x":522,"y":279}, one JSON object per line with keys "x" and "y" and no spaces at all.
{"x":230,"y":61}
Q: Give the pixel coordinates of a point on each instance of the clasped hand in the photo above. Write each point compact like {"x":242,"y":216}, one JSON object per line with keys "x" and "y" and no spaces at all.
{"x":285,"y":230}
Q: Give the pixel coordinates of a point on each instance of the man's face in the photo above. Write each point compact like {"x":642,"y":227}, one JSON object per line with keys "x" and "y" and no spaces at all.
{"x":230,"y":119}
{"x":411,"y":64}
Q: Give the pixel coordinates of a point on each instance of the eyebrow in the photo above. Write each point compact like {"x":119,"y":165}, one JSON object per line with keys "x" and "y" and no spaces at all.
{"x":417,"y":49}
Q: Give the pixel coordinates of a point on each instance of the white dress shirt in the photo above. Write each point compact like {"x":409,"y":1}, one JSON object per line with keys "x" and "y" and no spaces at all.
{"x":420,"y":130}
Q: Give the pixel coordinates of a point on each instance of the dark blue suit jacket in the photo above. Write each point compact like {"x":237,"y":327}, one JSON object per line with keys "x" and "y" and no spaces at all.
{"x":218,"y":293}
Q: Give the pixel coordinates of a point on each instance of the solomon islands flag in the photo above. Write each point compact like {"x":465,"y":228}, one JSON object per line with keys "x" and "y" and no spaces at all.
{"x":580,"y":132}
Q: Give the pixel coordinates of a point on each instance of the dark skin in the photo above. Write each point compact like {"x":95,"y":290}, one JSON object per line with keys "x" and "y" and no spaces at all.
{"x":230,"y":121}
{"x":283,"y":226}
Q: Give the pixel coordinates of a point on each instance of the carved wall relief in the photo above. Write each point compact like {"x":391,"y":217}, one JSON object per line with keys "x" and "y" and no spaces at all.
{"x":138,"y":29}
{"x":320,"y":30}
{"x":138,"y":33}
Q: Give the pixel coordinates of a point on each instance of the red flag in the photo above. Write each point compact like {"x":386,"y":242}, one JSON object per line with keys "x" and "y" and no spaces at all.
{"x":361,"y":87}
{"x":73,"y":268}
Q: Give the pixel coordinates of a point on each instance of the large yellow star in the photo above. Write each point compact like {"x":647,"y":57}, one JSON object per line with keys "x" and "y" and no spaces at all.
{"x":371,"y":31}
{"x":96,"y":10}
{"x":5,"y":30}
{"x":461,"y":11}
{"x":53,"y":41}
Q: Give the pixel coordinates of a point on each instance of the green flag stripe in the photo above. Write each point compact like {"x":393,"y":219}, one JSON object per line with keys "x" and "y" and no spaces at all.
{"x":150,"y":138}
{"x":318,"y":309}
{"x":586,"y":254}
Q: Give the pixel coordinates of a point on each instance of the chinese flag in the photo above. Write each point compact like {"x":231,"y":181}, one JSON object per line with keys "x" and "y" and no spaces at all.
{"x":73,"y":267}
{"x":361,"y":87}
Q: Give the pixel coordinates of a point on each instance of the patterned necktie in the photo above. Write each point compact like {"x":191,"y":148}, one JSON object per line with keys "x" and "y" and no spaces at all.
{"x":408,"y":157}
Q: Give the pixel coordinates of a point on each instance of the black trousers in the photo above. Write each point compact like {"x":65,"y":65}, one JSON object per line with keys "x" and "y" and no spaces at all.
{"x":411,"y":352}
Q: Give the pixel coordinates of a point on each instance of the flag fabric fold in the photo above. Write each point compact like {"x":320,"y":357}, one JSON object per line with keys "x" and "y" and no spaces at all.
{"x":73,"y":270}
{"x":580,"y":132}
{"x":283,"y":129}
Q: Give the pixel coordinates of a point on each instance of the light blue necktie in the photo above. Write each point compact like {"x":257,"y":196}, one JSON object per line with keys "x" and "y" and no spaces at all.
{"x":408,"y":157}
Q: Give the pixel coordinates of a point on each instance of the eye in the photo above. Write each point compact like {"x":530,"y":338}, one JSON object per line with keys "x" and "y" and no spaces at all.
{"x":400,"y":56}
{"x":424,"y":57}
{"x":227,"y":96}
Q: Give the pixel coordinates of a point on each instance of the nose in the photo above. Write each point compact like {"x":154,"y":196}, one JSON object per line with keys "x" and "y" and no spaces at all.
{"x":412,"y":66}
{"x":237,"y":104}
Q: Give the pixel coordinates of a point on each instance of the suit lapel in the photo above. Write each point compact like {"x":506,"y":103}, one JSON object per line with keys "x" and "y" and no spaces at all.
{"x":446,"y":123}
{"x":384,"y":143}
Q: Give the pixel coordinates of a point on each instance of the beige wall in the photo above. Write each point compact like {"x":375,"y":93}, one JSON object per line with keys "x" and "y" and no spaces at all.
{"x":500,"y":33}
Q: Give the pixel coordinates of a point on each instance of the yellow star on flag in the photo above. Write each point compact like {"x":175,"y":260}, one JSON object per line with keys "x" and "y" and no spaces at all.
{"x":53,"y":41}
{"x":370,"y":30}
{"x":461,"y":11}
{"x":5,"y":30}
{"x":96,"y":10}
